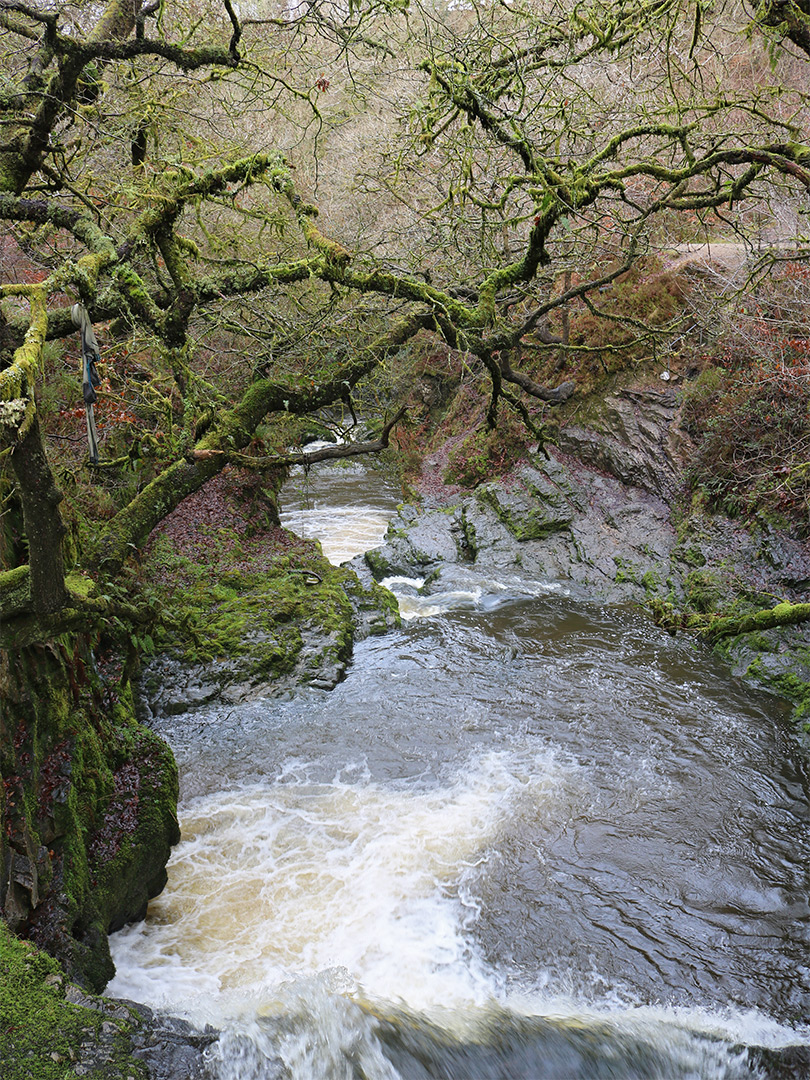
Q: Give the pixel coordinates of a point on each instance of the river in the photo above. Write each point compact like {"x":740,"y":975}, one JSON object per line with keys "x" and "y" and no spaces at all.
{"x":526,"y":837}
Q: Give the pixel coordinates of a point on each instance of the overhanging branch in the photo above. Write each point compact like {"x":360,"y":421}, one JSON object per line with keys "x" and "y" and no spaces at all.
{"x":234,"y":429}
{"x":327,"y":453}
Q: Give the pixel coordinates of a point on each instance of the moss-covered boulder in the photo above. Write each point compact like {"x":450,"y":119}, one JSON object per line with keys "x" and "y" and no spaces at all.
{"x":88,"y":804}
{"x":51,"y":1029}
{"x":43,"y":1035}
{"x":250,"y":609}
{"x":294,"y":623}
{"x":531,"y":506}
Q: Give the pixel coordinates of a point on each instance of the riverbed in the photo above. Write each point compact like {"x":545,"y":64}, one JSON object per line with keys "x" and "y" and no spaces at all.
{"x":529,"y":835}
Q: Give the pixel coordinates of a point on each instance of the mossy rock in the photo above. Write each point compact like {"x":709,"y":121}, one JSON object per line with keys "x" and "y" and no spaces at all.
{"x":778,"y":660}
{"x":528,"y":513}
{"x":285,"y":616}
{"x":378,"y":564}
{"x":131,"y":845}
{"x":90,"y":809}
{"x":44,"y":1036}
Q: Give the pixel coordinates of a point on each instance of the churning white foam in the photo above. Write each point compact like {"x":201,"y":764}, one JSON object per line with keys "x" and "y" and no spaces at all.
{"x":298,"y":912}
{"x":483,"y":594}
{"x":343,"y":532}
{"x":298,"y":879}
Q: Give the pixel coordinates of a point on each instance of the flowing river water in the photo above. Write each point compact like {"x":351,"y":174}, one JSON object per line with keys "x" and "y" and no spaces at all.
{"x":526,"y":837}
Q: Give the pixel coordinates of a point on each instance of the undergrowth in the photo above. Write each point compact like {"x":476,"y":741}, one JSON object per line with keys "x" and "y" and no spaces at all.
{"x":486,"y":453}
{"x":749,"y":411}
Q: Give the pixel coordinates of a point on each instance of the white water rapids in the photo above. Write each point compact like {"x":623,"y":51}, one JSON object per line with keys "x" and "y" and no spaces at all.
{"x":517,"y":841}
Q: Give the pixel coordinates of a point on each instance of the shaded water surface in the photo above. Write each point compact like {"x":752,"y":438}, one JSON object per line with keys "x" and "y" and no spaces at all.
{"x":526,"y":837}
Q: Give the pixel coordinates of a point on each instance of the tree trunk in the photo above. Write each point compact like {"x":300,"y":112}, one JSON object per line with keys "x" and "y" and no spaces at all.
{"x":769,"y":619}
{"x":44,"y":527}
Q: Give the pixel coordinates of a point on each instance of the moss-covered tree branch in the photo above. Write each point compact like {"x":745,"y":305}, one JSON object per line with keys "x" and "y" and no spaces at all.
{"x":230,"y":433}
{"x":716,"y":626}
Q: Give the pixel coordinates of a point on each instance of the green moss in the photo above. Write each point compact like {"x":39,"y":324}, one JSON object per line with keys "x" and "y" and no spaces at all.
{"x":81,"y":586}
{"x":377,"y":563}
{"x":651,"y":581}
{"x":255,"y":601}
{"x":691,"y":555}
{"x":626,"y":571}
{"x":786,"y":684}
{"x":378,"y":605}
{"x":263,"y":618}
{"x":41,"y":1033}
{"x":76,"y":769}
{"x":15,"y":591}
{"x":130,"y":844}
{"x":529,"y":513}
{"x":704,"y":592}
{"x":12,"y":579}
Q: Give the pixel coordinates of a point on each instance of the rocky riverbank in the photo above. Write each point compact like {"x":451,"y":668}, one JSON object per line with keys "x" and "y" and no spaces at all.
{"x":51,"y":1029}
{"x":252,"y":610}
{"x":603,"y":513}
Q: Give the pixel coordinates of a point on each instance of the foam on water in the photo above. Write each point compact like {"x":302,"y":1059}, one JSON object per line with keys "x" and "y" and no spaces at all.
{"x":484,"y":594}
{"x":342,"y":532}
{"x":298,"y":878}
{"x":326,"y":929}
{"x":297,"y":913}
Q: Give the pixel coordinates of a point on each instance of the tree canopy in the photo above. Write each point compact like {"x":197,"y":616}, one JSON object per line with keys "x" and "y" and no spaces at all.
{"x":263,"y":203}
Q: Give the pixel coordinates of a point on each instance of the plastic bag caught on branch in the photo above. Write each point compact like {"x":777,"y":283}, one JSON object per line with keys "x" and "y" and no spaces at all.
{"x":90,"y":376}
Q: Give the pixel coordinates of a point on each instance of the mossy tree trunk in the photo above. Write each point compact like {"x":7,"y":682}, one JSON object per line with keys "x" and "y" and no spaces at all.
{"x":724,"y":626}
{"x":716,"y":626}
{"x":40,"y":497}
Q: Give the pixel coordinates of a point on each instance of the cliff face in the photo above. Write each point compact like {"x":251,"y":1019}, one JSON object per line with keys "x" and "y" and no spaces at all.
{"x":88,"y":804}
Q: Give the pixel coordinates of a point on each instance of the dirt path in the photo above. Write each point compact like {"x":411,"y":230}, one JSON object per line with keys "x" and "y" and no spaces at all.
{"x":721,"y":256}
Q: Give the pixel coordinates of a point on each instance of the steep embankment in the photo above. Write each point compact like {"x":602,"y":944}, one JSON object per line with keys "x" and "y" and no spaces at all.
{"x":605,"y":512}
{"x":88,"y":806}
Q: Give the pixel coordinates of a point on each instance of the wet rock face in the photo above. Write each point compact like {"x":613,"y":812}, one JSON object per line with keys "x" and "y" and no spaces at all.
{"x":552,"y":519}
{"x":604,"y":515}
{"x":88,"y":807}
{"x":633,"y":436}
{"x":533,"y":506}
{"x":170,"y":1048}
{"x":594,"y":514}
